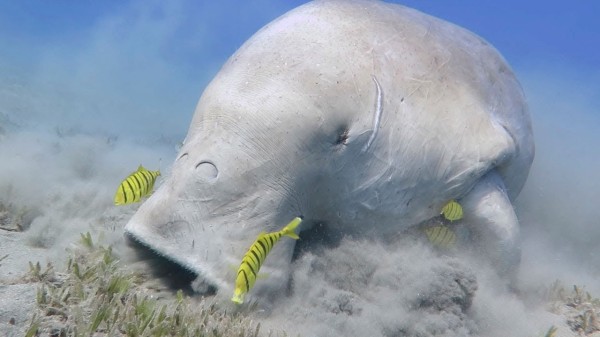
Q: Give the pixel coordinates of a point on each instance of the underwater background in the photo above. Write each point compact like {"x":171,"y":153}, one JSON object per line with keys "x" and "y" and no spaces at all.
{"x":91,"y":90}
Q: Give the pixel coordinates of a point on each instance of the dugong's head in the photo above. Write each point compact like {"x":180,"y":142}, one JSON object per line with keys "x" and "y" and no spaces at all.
{"x":363,"y":115}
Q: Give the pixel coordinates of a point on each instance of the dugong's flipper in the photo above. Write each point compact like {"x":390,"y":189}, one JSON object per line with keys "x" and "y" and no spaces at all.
{"x":490,"y":214}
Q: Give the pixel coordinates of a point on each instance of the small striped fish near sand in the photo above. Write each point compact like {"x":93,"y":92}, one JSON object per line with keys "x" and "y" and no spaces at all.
{"x":256,"y":255}
{"x":441,"y":236}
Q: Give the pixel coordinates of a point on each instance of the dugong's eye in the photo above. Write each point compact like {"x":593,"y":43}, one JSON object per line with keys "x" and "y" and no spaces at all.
{"x":183,"y":155}
{"x":342,"y":137}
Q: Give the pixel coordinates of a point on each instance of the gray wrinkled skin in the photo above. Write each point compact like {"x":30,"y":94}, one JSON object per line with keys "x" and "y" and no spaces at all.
{"x":362,"y":115}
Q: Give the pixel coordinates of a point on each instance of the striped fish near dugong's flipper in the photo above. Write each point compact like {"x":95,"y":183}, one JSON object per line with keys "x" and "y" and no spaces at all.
{"x":364,"y":116}
{"x":452,"y":211}
{"x":441,"y":236}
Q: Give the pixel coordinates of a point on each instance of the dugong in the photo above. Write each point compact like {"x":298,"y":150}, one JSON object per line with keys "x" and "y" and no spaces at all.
{"x":364,"y":116}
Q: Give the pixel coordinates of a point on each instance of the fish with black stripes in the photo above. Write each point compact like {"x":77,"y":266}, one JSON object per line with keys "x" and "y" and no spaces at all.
{"x":136,"y":186}
{"x":441,"y":236}
{"x":452,"y":211}
{"x":256,"y":255}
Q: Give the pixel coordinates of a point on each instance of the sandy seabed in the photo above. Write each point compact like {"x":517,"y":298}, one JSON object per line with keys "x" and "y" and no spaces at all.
{"x":389,"y":292}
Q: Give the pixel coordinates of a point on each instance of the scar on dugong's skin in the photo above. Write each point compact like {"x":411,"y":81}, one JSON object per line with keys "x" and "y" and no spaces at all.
{"x":362,"y":115}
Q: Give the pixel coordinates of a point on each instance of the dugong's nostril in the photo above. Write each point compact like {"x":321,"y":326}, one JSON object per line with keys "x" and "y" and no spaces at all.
{"x":207,"y":170}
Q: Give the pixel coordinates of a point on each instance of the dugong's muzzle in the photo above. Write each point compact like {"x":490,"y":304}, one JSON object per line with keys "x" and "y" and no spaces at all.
{"x":204,"y":220}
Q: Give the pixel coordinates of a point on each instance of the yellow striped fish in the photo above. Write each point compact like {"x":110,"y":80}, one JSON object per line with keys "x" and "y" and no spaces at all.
{"x":441,"y":236}
{"x":452,"y":211}
{"x":256,"y":255}
{"x":136,"y":186}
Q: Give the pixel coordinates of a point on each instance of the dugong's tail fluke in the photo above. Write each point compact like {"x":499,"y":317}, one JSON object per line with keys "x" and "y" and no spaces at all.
{"x":289,"y":229}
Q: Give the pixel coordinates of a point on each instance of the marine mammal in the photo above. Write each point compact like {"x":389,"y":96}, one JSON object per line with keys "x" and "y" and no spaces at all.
{"x":363,"y":115}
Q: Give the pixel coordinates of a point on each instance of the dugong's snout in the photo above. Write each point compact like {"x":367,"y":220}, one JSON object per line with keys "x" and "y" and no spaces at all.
{"x":206,"y":225}
{"x":195,"y":244}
